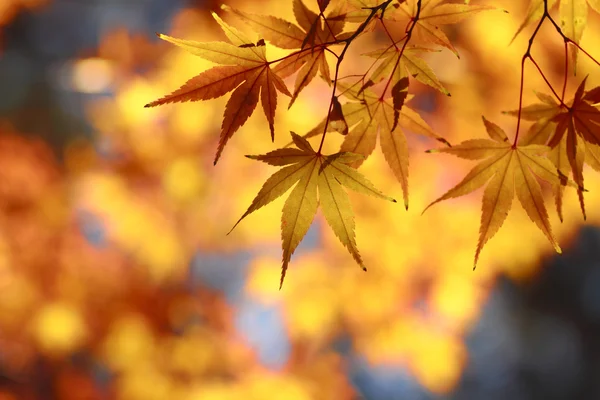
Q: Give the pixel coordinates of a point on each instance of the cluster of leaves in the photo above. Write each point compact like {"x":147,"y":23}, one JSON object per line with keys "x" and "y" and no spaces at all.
{"x":573,"y":18}
{"x":565,"y":133}
{"x":368,"y":113}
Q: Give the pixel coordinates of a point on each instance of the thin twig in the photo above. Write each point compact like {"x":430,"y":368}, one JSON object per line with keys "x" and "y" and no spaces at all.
{"x":387,"y":32}
{"x":409,"y":30}
{"x":546,"y":80}
{"x":523,"y":59}
{"x":564,"y":88}
{"x":361,"y":28}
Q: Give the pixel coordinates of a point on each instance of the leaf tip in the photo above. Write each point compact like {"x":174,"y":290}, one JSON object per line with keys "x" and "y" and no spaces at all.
{"x":283,"y":271}
{"x":444,"y":141}
{"x":427,"y":208}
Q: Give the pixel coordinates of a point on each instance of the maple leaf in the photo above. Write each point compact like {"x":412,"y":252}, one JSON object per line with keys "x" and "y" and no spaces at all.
{"x":396,"y":63}
{"x":360,"y":9}
{"x":433,"y":15}
{"x":313,"y":36}
{"x":534,"y":13}
{"x":573,"y":15}
{"x":370,"y":116}
{"x":314,"y":177}
{"x":569,"y":129}
{"x":245,"y":70}
{"x":323,"y":4}
{"x":505,"y":168}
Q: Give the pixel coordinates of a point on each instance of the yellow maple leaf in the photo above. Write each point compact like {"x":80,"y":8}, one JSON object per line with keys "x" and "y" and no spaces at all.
{"x":506,"y":168}
{"x":315,"y":177}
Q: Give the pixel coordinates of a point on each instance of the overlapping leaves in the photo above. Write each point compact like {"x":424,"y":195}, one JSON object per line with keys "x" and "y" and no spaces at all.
{"x":433,"y":14}
{"x":572,"y":130}
{"x":313,"y":35}
{"x":395,"y":65}
{"x":573,"y":16}
{"x":371,"y":116}
{"x":315,"y":179}
{"x":506,"y":169}
{"x":245,"y":69}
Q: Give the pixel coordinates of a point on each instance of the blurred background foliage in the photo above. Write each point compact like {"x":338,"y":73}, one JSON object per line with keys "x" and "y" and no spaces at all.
{"x":117,"y":280}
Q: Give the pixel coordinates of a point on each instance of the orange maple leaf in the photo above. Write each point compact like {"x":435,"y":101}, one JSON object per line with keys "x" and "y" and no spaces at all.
{"x":571,"y":129}
{"x":246,"y":69}
{"x":313,"y":36}
{"x":434,"y":14}
{"x":505,"y":168}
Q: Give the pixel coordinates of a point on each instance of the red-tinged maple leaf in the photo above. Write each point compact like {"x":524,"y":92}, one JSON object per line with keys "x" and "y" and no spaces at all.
{"x":505,"y":168}
{"x":313,"y":35}
{"x":371,"y":116}
{"x":246,"y":71}
{"x":433,"y":14}
{"x":395,"y":64}
{"x":315,"y":179}
{"x":573,"y":16}
{"x":569,"y":129}
{"x":323,"y":4}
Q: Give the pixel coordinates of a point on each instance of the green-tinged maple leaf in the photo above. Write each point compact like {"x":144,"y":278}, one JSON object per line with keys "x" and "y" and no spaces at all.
{"x":573,"y":19}
{"x":395,"y":65}
{"x":246,"y":71}
{"x":435,"y":13}
{"x":569,"y":129}
{"x":370,"y":116}
{"x":313,"y":35}
{"x":506,"y":169}
{"x":315,"y":178}
{"x":573,"y":16}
